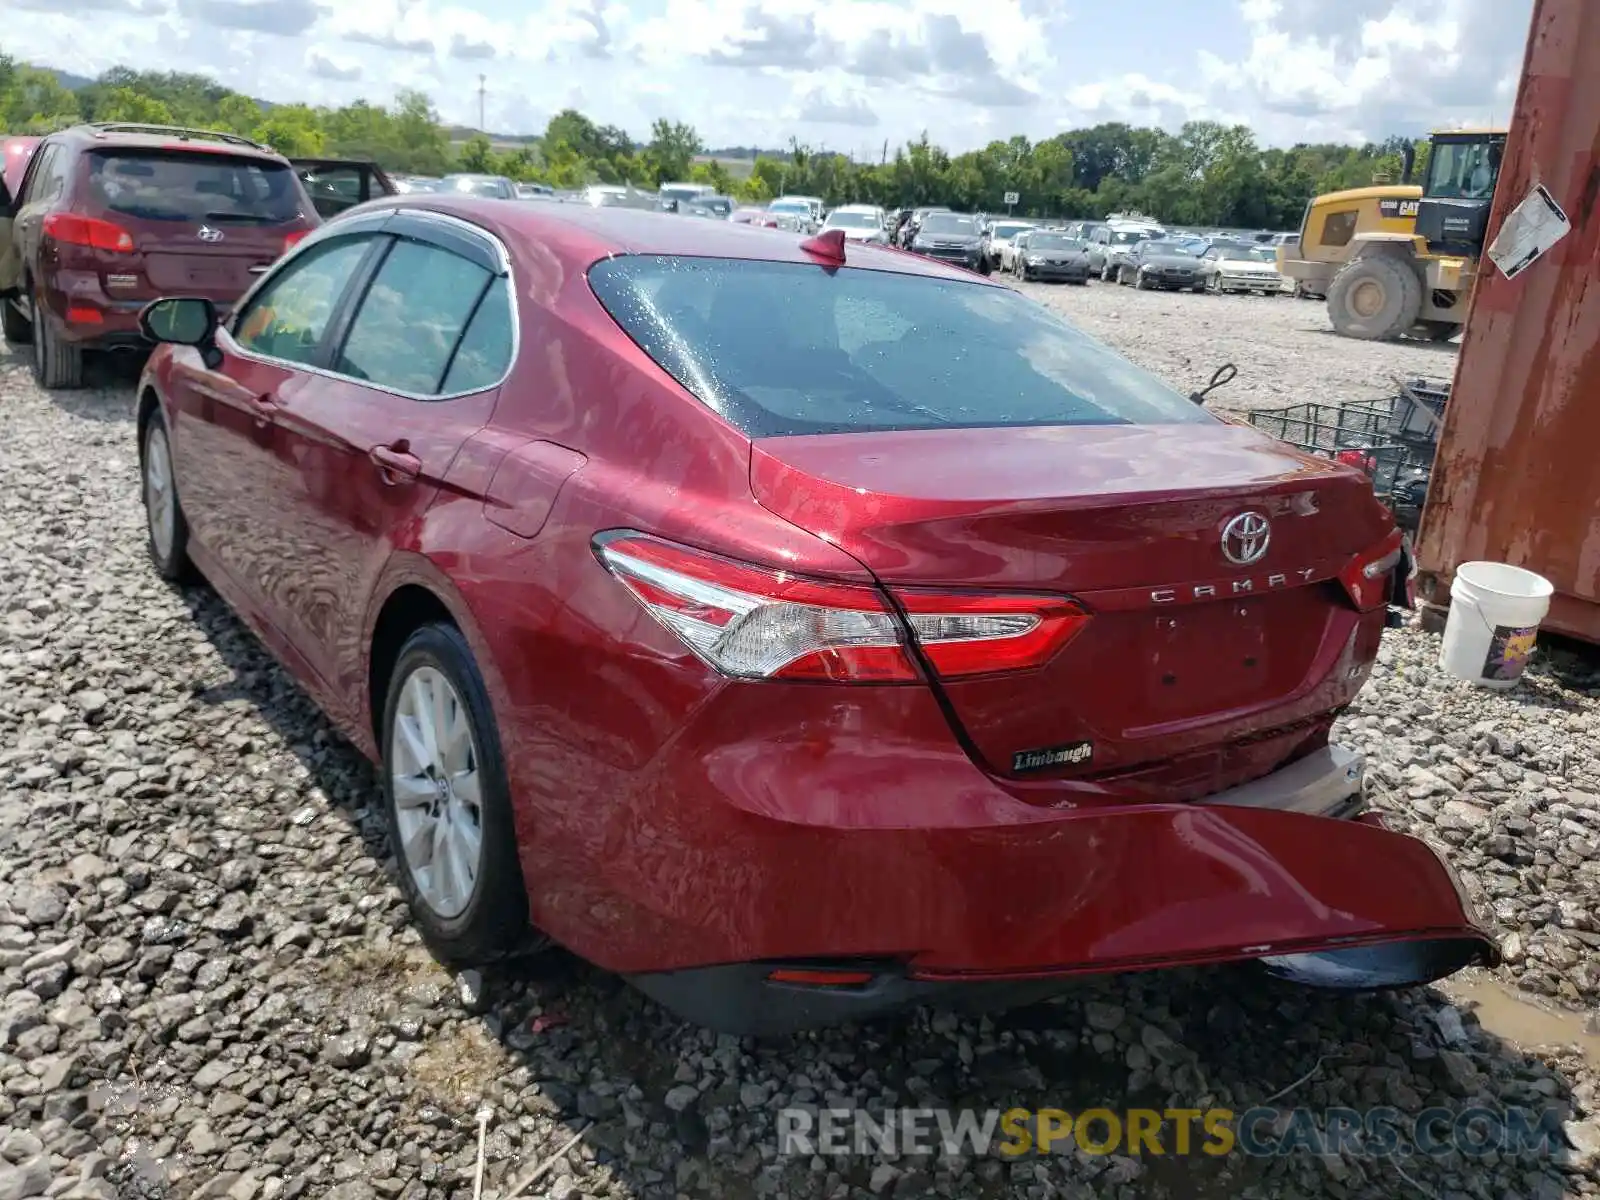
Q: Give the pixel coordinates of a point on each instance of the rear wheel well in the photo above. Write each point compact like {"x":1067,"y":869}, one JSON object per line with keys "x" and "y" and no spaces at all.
{"x":404,"y":612}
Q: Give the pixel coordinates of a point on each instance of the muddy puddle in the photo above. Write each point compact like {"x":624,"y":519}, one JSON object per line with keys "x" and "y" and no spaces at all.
{"x":1514,"y":1017}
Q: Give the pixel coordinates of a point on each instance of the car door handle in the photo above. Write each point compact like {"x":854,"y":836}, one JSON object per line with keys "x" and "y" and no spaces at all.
{"x":396,"y":463}
{"x":263,"y":406}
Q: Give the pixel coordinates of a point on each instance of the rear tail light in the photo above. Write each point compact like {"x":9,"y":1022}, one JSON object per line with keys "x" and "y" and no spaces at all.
{"x":756,"y":623}
{"x":69,"y":229}
{"x":80,"y":315}
{"x":1362,"y":460}
{"x":293,"y":240}
{"x":1368,"y":577}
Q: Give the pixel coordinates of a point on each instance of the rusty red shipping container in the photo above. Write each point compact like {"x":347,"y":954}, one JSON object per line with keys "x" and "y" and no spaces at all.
{"x":1517,"y":478}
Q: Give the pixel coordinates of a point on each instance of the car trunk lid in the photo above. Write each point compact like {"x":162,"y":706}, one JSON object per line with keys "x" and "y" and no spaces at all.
{"x":1186,"y":649}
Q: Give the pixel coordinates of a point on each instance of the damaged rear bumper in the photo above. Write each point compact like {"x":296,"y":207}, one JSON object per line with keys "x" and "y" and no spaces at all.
{"x":1278,"y":872}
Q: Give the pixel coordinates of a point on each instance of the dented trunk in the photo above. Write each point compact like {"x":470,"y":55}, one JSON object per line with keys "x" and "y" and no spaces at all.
{"x":1208,"y":557}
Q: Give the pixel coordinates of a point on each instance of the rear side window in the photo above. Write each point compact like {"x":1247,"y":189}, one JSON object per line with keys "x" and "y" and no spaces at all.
{"x":788,"y":348}
{"x":193,"y":188}
{"x":412,"y":317}
{"x":485,"y":351}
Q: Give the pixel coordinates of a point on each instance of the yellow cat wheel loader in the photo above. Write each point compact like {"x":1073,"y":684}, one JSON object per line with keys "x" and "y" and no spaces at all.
{"x":1398,"y":259}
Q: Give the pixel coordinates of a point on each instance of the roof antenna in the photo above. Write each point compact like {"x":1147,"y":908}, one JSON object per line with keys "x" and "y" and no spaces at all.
{"x":828,"y":245}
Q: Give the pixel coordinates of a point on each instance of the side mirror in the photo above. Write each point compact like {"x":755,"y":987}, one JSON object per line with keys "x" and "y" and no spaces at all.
{"x":182,"y":321}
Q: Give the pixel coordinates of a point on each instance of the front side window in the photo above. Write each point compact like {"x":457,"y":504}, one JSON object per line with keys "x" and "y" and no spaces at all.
{"x":784,"y":348}
{"x":288,"y":318}
{"x":411,"y":318}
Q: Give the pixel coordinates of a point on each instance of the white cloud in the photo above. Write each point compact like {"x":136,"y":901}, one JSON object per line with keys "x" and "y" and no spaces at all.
{"x":758,"y":71}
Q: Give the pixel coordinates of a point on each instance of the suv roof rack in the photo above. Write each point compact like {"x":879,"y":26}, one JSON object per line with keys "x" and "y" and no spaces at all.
{"x":179,"y":132}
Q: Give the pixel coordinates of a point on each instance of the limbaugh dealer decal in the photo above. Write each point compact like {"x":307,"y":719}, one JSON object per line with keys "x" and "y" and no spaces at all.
{"x":1070,"y":755}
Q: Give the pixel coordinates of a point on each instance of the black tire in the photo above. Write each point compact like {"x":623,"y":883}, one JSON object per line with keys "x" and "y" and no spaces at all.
{"x":494,"y":922}
{"x":172,"y":560}
{"x":1023,"y":273}
{"x":18,"y":329}
{"x":57,"y":365}
{"x":1105,"y":272}
{"x":1375,"y":299}
{"x":1140,"y":282}
{"x":1438,"y":331}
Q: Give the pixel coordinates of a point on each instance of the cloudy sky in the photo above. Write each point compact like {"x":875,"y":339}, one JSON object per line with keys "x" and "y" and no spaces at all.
{"x":846,"y":75}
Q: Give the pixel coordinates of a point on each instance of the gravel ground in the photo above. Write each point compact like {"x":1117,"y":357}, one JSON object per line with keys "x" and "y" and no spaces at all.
{"x":209,"y":986}
{"x":1273,"y":341}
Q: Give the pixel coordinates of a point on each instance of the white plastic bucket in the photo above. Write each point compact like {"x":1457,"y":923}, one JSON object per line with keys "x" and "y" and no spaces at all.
{"x":1495,"y":610}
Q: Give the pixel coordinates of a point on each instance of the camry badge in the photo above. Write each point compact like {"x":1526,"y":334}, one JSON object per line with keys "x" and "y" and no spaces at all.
{"x":1245,"y":538}
{"x":208,"y":234}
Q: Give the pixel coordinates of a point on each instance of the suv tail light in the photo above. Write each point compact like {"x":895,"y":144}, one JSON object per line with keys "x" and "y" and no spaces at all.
{"x":1368,"y":578}
{"x":73,"y":230}
{"x":294,"y":239}
{"x":756,"y":623}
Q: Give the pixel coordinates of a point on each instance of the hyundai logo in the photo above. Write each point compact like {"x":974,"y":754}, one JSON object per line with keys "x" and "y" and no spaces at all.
{"x":208,"y":234}
{"x":1245,"y":538}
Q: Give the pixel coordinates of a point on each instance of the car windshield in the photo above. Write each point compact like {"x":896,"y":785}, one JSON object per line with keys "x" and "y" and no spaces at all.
{"x":1260,"y":254}
{"x":852,"y":220}
{"x":685,"y":191}
{"x":785,"y":206}
{"x":1053,"y":241}
{"x":194,"y":187}
{"x":949,"y":223}
{"x":1126,"y":237}
{"x":1004,"y":231}
{"x":1185,"y":248}
{"x":480,"y":187}
{"x":783,"y":348}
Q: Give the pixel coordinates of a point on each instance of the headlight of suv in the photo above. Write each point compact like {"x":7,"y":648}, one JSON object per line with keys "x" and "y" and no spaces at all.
{"x":1035,"y":260}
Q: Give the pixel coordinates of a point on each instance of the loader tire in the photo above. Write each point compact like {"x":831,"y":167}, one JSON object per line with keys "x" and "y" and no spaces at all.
{"x":1375,"y":299}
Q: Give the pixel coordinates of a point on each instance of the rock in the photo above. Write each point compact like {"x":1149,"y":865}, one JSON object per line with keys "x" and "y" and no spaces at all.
{"x":26,"y":1179}
{"x":1103,"y":1016}
{"x":680,"y":1098}
{"x":348,"y":1050}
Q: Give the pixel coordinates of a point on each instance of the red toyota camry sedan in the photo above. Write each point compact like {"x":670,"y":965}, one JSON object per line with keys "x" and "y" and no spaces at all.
{"x":800,"y":630}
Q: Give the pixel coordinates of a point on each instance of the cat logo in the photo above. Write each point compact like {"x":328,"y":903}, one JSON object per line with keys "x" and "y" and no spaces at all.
{"x":1392,"y":209}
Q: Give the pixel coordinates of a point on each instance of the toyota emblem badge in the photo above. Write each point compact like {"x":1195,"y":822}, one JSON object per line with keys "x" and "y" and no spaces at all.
{"x":1245,"y":538}
{"x":208,"y":234}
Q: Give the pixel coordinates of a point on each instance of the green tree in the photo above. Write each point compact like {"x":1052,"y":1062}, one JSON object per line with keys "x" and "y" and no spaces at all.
{"x":126,"y":104}
{"x":670,"y":151}
{"x":294,"y":130}
{"x":477,"y":155}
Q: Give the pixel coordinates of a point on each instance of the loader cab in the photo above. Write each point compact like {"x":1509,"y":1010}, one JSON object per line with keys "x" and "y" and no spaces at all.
{"x":1458,"y":190}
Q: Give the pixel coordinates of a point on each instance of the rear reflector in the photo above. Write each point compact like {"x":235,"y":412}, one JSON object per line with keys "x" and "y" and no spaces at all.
{"x":1367,"y":578}
{"x":757,"y":623}
{"x":69,"y":229}
{"x":821,"y":978}
{"x":84,"y":316}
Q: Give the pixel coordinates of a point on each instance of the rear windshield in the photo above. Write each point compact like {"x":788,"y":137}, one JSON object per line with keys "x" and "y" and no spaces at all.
{"x":1053,"y":241}
{"x":194,"y":187}
{"x":789,"y":348}
{"x":852,"y":220}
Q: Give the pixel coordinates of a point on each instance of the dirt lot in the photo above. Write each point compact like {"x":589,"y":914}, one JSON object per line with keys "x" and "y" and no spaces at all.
{"x":209,"y":986}
{"x":1285,"y":349}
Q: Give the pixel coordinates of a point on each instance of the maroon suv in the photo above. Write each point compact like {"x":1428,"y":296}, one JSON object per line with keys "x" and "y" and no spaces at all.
{"x":110,"y":216}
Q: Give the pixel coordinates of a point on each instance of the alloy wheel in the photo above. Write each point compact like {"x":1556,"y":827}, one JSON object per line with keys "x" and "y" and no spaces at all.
{"x":160,"y":505}
{"x":433,"y":772}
